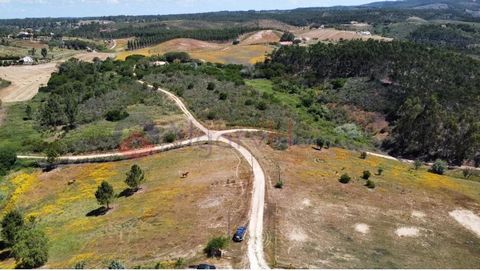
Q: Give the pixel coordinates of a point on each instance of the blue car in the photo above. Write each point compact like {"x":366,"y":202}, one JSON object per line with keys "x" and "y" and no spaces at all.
{"x":239,"y":234}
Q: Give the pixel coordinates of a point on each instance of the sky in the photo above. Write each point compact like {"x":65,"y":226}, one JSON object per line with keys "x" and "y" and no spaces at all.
{"x":83,"y":8}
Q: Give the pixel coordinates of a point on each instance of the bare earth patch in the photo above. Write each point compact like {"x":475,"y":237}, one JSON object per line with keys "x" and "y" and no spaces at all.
{"x":407,"y":232}
{"x":362,"y":228}
{"x":25,"y":81}
{"x":468,"y":220}
{"x":418,"y":214}
{"x":297,"y":235}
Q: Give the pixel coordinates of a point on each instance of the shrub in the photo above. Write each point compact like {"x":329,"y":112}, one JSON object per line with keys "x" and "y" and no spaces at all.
{"x":169,"y":137}
{"x":12,"y":223}
{"x":222,"y":96}
{"x":215,"y":244}
{"x":211,"y":86}
{"x":211,"y":115}
{"x":279,"y":184}
{"x":467,"y":173}
{"x":190,"y":86}
{"x":80,"y":265}
{"x":8,"y":157}
{"x":417,"y":164}
{"x":363,"y":155}
{"x":116,"y":265}
{"x":262,"y":106}
{"x":338,"y":83}
{"x":116,"y":115}
{"x":438,"y":167}
{"x":179,"y":263}
{"x":248,"y":102}
{"x":370,"y":184}
{"x":345,"y":179}
{"x":177,"y":56}
{"x":31,"y":248}
{"x":366,"y":175}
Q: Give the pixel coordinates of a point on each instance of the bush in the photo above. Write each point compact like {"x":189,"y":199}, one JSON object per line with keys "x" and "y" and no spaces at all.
{"x":380,"y":171}
{"x":31,"y":248}
{"x":211,"y":115}
{"x":215,"y":244}
{"x":417,"y":164}
{"x":438,"y":167}
{"x":279,"y":184}
{"x":169,"y":137}
{"x":12,"y":223}
{"x":262,"y":106}
{"x":467,"y":173}
{"x":80,"y":265}
{"x":211,"y":86}
{"x":8,"y":157}
{"x":177,"y":56}
{"x":338,"y":83}
{"x":116,"y":115}
{"x":248,"y":102}
{"x":363,"y":155}
{"x":222,"y":96}
{"x":366,"y":175}
{"x":116,"y":265}
{"x":345,"y":179}
{"x":370,"y":184}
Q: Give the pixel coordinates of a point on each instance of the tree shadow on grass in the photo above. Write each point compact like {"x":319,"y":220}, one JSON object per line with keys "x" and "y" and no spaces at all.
{"x":98,"y":212}
{"x":128,"y":192}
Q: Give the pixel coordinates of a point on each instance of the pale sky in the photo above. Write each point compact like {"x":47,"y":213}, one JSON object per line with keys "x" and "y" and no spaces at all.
{"x":82,"y":8}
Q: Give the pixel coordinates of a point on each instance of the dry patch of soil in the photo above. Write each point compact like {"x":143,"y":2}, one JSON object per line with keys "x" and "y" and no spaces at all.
{"x":25,"y":81}
{"x":467,"y":219}
{"x":330,"y":34}
{"x":261,"y":37}
{"x":414,"y":199}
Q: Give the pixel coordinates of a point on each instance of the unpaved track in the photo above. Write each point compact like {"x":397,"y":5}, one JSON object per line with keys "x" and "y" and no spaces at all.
{"x":255,"y":227}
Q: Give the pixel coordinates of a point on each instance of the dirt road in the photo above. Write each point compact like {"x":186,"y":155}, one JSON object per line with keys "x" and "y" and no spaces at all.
{"x":255,"y":228}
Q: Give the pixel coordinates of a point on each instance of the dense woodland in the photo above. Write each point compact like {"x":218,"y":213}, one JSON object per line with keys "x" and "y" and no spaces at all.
{"x":432,"y":99}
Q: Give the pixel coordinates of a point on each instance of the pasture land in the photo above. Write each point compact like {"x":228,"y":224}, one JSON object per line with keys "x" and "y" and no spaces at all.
{"x":206,"y":51}
{"x":168,"y":219}
{"x":408,"y":221}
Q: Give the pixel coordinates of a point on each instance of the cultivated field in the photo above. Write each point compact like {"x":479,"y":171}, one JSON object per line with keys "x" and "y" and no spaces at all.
{"x":330,"y":34}
{"x":261,"y":37}
{"x":412,"y":219}
{"x":168,"y":219}
{"x":207,"y":51}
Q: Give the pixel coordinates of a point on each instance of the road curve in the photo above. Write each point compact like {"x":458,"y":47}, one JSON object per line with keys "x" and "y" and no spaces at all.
{"x":255,"y":226}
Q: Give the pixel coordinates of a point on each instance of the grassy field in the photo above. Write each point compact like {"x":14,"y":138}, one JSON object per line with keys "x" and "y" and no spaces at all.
{"x":209,"y":52}
{"x":317,"y":222}
{"x":22,"y":48}
{"x":169,"y":218}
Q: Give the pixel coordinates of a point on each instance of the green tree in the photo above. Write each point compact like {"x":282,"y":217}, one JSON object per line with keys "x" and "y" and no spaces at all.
{"x":211,"y":86}
{"x":52,"y":152}
{"x":12,"y":223}
{"x":31,"y":248}
{"x":44,"y":52}
{"x":71,"y":109}
{"x":135,"y":177}
{"x":104,"y":194}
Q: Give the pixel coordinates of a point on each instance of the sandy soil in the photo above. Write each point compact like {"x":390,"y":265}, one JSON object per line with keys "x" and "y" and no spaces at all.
{"x":333,"y":35}
{"x":261,"y":37}
{"x":25,"y":81}
{"x":362,"y":228}
{"x":467,"y":219}
{"x":407,"y":232}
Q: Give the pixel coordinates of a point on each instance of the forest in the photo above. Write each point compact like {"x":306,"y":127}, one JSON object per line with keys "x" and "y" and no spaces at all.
{"x":432,"y":95}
